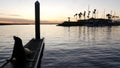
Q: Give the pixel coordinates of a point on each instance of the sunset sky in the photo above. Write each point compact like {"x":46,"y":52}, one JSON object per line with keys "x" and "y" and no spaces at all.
{"x":53,"y":11}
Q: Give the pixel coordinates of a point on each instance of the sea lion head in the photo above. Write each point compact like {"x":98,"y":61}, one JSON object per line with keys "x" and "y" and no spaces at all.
{"x":17,"y":40}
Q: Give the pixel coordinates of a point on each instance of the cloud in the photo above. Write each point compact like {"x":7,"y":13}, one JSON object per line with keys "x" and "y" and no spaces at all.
{"x":15,"y":20}
{"x":23,"y":21}
{"x":14,"y":15}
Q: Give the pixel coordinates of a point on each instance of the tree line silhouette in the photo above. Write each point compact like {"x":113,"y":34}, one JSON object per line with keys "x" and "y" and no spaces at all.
{"x":93,"y":14}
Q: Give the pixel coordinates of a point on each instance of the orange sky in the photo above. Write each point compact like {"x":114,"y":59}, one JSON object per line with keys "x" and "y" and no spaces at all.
{"x":53,"y":11}
{"x":26,"y":21}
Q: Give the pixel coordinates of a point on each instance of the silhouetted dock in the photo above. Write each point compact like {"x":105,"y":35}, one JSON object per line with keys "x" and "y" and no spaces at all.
{"x":34,"y":61}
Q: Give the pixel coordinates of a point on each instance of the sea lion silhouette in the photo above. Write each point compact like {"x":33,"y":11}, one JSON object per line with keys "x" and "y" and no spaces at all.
{"x":18,"y":52}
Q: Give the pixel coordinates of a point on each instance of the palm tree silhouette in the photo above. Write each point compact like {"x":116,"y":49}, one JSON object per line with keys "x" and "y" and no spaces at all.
{"x":88,"y":14}
{"x":80,"y":15}
{"x":84,"y":14}
{"x":75,"y":16}
{"x":109,"y":16}
{"x":94,"y":13}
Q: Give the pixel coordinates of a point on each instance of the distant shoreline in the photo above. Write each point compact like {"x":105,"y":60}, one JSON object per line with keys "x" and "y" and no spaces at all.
{"x":92,"y":22}
{"x":27,"y":23}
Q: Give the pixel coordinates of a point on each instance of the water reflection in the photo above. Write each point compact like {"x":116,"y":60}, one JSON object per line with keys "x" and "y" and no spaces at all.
{"x":83,"y":47}
{"x":90,"y":34}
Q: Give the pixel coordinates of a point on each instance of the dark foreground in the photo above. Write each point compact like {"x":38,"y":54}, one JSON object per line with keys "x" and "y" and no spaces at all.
{"x":37,"y":47}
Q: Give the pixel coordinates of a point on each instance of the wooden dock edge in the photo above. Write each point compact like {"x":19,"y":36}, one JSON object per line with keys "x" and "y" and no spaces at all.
{"x":37,"y":57}
{"x":40,"y":55}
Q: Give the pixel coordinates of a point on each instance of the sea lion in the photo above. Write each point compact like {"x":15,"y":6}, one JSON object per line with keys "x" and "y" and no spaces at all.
{"x":18,"y":52}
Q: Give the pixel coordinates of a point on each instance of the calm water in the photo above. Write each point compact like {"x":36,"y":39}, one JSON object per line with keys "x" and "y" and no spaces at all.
{"x":68,"y":47}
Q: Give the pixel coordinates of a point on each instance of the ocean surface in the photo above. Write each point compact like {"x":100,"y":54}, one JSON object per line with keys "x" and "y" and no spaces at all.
{"x":68,"y":47}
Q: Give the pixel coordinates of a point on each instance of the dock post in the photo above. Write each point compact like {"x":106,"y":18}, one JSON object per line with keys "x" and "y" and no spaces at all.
{"x":37,"y":20}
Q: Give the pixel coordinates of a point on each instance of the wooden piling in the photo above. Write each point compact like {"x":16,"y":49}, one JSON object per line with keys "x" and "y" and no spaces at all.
{"x":37,"y":20}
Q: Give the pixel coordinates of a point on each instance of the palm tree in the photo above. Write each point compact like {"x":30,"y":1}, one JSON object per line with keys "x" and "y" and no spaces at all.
{"x":80,"y":14}
{"x":109,"y":16}
{"x":75,"y":16}
{"x":115,"y":17}
{"x":94,"y":13}
{"x":88,"y":14}
{"x":84,"y":14}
